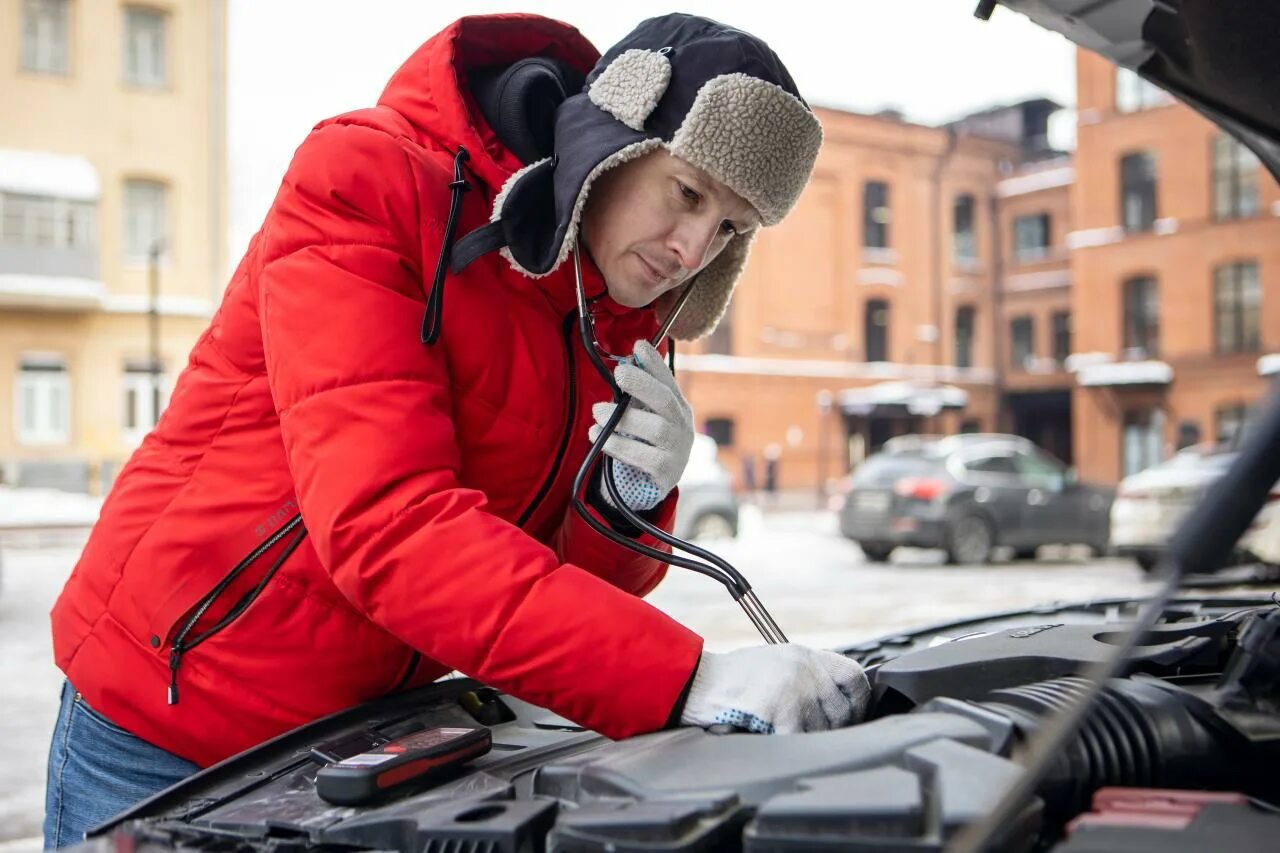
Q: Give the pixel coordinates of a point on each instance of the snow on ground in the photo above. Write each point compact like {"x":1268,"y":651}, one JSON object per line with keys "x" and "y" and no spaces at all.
{"x":46,"y":507}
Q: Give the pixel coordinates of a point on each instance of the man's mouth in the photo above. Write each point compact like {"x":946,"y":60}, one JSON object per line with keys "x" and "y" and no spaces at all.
{"x":656,"y":276}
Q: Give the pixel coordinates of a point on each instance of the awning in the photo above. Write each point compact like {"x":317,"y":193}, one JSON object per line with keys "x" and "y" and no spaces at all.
{"x":45,"y":174}
{"x":910,"y":398}
{"x":1125,"y":373}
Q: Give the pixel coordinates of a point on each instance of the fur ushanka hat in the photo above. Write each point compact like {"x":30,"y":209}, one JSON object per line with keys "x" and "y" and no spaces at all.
{"x":712,"y":95}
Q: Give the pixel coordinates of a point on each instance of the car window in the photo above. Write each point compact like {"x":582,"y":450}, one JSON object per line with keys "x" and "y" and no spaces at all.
{"x":888,"y":468}
{"x":1038,"y":468}
{"x":1002,"y":464}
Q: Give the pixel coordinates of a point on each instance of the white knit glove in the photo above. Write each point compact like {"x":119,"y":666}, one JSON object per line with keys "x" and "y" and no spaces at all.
{"x":779,"y":689}
{"x":652,"y":442}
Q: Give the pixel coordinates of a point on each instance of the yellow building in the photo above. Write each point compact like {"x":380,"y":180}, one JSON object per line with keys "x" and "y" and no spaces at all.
{"x":112,"y":145}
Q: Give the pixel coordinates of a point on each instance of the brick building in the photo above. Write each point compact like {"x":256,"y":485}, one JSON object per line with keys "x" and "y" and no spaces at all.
{"x":1110,"y":305}
{"x":869,"y":312}
{"x":1175,"y":263}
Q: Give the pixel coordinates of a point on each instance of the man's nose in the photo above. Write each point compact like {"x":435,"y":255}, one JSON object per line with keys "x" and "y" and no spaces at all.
{"x":691,"y":240}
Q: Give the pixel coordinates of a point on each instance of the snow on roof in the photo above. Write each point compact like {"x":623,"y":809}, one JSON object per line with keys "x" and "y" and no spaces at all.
{"x":1035,"y":181}
{"x":170,"y":305}
{"x":42,"y":173}
{"x":710,"y":363}
{"x":1078,"y":360}
{"x":69,"y":293}
{"x":1125,"y":373}
{"x":51,"y":290}
{"x":918,"y":398}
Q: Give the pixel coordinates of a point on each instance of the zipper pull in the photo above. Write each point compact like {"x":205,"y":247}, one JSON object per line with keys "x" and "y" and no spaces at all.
{"x":175,"y":660}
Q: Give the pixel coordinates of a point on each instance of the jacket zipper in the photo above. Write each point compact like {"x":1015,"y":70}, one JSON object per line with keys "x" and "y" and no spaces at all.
{"x":414,"y":659}
{"x":568,"y":424}
{"x":181,"y":645}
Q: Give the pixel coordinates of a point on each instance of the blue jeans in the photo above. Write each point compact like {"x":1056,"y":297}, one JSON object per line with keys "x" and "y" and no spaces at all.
{"x":97,"y":770}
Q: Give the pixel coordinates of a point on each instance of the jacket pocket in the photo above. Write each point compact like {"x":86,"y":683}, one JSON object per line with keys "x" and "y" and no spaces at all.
{"x":188,"y":632}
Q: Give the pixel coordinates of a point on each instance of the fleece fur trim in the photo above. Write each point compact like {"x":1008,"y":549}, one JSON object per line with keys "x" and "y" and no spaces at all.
{"x":631,"y":86}
{"x":712,"y":290}
{"x":630,"y":152}
{"x":753,"y":136}
{"x":501,"y":198}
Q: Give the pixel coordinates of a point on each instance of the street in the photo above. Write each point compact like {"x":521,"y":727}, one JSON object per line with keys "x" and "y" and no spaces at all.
{"x":815,"y":584}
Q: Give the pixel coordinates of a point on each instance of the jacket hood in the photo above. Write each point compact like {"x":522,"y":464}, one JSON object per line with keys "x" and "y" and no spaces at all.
{"x":431,"y":91}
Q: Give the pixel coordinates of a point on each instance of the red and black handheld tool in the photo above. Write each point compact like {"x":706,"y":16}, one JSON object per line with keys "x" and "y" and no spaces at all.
{"x":361,"y":777}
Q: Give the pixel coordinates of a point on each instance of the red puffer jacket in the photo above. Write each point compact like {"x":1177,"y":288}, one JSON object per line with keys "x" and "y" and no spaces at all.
{"x":434,"y":481}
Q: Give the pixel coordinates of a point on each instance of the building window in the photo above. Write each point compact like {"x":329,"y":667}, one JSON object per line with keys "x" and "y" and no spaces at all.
{"x":146,"y":218}
{"x":964,"y":244}
{"x":1143,"y":440}
{"x":43,"y":406}
{"x":1134,"y":93}
{"x":30,"y":220}
{"x":875,"y":215}
{"x":965,"y":321}
{"x":1237,"y":300}
{"x":1061,"y":322}
{"x":139,"y":410}
{"x":1022,"y":332}
{"x":45,"y":35}
{"x":1227,"y":423}
{"x":875,"y":328}
{"x":144,"y":47}
{"x":1138,"y":191}
{"x":1141,"y":318}
{"x":1235,"y":179}
{"x":1031,"y":237}
{"x":721,"y":430}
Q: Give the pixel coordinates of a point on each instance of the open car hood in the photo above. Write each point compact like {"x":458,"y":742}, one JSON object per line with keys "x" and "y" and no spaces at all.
{"x":952,"y":705}
{"x":1216,"y":55}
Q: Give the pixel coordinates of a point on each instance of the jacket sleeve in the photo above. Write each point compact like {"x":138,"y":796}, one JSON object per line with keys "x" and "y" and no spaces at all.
{"x":365,"y":411}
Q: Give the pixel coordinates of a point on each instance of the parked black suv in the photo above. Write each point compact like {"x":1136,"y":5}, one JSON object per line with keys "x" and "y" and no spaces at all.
{"x":968,"y":494}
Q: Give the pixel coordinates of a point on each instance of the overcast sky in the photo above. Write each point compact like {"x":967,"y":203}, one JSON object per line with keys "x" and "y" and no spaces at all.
{"x":295,"y":62}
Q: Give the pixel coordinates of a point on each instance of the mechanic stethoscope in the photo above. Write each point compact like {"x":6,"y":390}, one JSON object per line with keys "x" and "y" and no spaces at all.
{"x":708,"y":564}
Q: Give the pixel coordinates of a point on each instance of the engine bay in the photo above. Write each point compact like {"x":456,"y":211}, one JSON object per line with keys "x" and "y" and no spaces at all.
{"x":1173,"y":755}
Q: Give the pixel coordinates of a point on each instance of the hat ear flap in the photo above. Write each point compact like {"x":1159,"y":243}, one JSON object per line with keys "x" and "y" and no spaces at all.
{"x":712,"y":289}
{"x":630,"y":86}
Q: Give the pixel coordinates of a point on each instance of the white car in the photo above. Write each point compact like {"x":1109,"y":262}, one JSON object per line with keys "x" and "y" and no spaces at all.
{"x":1150,"y":505}
{"x":708,"y":507}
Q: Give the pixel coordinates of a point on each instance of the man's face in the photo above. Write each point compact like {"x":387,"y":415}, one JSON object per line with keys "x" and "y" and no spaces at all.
{"x":652,"y":223}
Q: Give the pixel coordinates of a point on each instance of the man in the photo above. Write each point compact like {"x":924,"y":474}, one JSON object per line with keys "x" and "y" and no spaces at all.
{"x":360,"y":485}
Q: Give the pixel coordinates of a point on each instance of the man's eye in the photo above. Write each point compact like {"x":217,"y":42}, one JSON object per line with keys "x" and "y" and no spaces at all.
{"x":728,"y":227}
{"x":688,"y":192}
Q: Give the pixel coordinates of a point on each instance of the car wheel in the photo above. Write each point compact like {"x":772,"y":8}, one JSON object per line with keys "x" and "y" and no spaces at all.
{"x":970,"y":539}
{"x":1025,"y":553}
{"x":1146,"y":561}
{"x":875,"y":553}
{"x":711,"y":526}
